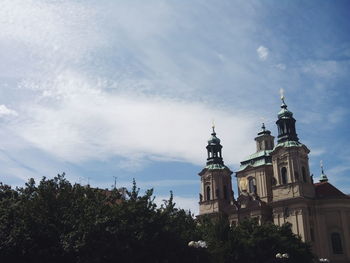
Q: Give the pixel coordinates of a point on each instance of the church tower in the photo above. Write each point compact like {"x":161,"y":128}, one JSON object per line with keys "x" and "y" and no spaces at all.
{"x":290,"y":161}
{"x":255,"y":173}
{"x":216,"y":194}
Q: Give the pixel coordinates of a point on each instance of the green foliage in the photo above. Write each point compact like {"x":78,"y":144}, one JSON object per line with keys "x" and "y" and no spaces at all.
{"x":59,"y":222}
{"x":250,"y":242}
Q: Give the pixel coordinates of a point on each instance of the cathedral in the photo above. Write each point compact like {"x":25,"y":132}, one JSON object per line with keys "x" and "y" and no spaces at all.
{"x":275,"y":185}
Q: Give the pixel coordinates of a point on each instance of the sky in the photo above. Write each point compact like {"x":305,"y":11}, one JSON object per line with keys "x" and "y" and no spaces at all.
{"x":129,"y":89}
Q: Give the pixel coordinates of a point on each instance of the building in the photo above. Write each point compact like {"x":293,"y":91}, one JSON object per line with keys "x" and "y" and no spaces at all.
{"x":275,"y":185}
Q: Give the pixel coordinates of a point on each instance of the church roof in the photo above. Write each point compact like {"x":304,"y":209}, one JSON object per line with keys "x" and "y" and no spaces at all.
{"x":215,"y":166}
{"x":327,"y":190}
{"x":257,"y":155}
{"x":256,"y":159}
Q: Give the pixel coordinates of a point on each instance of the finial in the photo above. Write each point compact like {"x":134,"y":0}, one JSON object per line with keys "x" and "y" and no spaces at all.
{"x":282,"y":98}
{"x":263,"y":127}
{"x":213,"y":126}
{"x":321,"y":164}
{"x":282,"y":94}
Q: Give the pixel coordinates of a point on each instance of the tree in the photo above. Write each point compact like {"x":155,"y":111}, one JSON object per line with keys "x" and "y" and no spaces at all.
{"x":56,"y":221}
{"x":250,"y":242}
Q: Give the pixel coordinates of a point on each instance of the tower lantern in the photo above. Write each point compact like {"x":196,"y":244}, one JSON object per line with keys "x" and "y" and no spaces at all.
{"x":214,"y":149}
{"x":286,"y":124}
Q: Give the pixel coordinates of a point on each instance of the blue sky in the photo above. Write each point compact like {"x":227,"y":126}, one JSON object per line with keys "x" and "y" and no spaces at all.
{"x":99,"y":89}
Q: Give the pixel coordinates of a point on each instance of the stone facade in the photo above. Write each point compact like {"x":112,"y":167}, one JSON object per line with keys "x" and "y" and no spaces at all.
{"x":275,"y":185}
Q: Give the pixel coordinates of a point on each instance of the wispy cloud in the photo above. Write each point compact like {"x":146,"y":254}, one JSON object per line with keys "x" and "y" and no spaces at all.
{"x":263,"y":52}
{"x":4,"y":111}
{"x":317,"y":152}
{"x":85,"y":122}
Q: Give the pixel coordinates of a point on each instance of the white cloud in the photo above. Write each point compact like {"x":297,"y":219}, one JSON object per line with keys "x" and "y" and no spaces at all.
{"x":263,"y":52}
{"x":4,"y":111}
{"x":317,"y":152}
{"x":80,"y":121}
{"x":337,"y":170}
{"x":48,"y":29}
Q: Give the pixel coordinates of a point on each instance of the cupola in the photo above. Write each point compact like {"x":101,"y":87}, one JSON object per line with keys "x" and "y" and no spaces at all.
{"x":214,"y":149}
{"x":286,"y":125}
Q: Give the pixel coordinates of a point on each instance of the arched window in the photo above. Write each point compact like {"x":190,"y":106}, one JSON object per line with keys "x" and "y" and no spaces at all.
{"x":284,"y":175}
{"x":225,"y":192}
{"x":303,"y":171}
{"x":336,"y":243}
{"x":252,"y":185}
{"x":208,"y":193}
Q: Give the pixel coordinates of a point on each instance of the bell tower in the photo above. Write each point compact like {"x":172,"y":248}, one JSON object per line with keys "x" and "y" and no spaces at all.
{"x":255,"y":174}
{"x":290,"y":160}
{"x":216,"y":193}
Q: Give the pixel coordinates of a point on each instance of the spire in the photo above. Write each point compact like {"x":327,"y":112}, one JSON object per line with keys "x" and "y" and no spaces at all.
{"x":284,"y":105}
{"x":213,"y":127}
{"x":323,"y":177}
{"x":214,"y":149}
{"x":286,"y":123}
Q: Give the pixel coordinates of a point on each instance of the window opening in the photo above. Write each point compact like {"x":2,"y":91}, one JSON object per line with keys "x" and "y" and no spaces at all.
{"x":284,"y":175}
{"x":208,"y":193}
{"x":336,"y":243}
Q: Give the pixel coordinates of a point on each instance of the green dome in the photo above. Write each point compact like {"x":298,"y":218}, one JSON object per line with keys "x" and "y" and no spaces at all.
{"x":284,"y":112}
{"x":213,"y":140}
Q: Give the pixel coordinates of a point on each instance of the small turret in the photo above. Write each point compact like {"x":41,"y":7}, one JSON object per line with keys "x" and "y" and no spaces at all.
{"x":264,"y":140}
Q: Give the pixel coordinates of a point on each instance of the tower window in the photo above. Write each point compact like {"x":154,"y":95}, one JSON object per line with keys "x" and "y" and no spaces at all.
{"x":208,"y":193}
{"x":303,"y":171}
{"x":336,"y":243}
{"x":252,"y":185}
{"x":284,"y":175}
